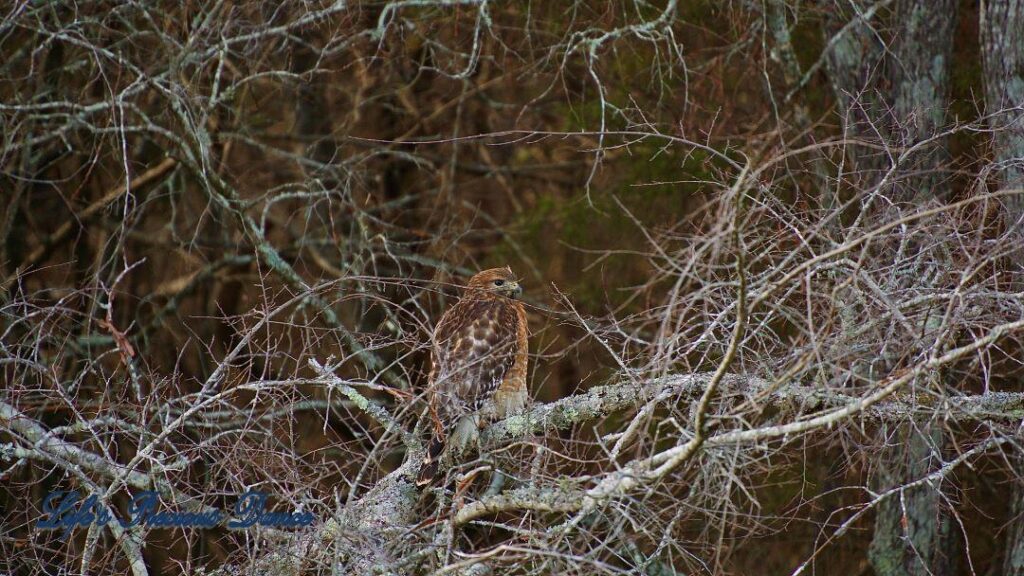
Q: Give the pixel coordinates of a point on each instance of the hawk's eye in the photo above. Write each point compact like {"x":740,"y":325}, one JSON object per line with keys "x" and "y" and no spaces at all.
{"x":499,"y":282}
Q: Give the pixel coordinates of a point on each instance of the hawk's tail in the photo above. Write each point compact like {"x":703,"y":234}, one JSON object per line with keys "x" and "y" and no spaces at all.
{"x":428,"y":470}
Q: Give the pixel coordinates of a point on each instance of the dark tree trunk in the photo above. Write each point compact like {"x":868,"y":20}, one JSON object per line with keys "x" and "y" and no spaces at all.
{"x":1002,"y":46}
{"x":854,"y":70}
{"x":1013,"y":563}
{"x":913,"y":535}
{"x":1002,"y":51}
{"x":920,"y":85}
{"x":894,"y":91}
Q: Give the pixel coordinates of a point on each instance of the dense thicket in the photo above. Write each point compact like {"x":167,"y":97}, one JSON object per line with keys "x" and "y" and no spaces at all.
{"x":771,"y":251}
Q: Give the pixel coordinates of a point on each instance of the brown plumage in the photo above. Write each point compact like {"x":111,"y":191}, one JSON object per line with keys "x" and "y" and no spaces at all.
{"x":478,"y":364}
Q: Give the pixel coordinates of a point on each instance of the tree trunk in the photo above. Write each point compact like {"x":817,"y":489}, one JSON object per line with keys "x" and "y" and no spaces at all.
{"x":1002,"y":48}
{"x":854,"y":68}
{"x":920,"y":85}
{"x":1013,"y":563}
{"x":1002,"y":53}
{"x":912,"y":534}
{"x":898,"y":96}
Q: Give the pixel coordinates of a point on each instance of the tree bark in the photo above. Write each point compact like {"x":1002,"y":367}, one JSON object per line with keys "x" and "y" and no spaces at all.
{"x":1002,"y":48}
{"x":1013,"y":563}
{"x":903,"y":107}
{"x":920,"y":83}
{"x":913,"y":535}
{"x":1002,"y":53}
{"x":854,"y":69}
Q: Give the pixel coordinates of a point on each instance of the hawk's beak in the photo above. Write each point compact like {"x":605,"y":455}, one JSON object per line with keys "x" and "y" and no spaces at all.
{"x":515,"y":290}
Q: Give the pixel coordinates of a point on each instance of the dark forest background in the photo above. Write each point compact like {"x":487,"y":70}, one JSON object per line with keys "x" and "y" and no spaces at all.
{"x":229,"y":227}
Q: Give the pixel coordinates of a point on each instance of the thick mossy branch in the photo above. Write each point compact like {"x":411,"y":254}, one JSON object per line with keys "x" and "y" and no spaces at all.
{"x":384,"y":512}
{"x":595,"y":403}
{"x":602,"y":401}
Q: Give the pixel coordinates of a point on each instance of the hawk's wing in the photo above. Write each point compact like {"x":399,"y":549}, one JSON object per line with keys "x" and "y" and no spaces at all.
{"x":474,"y":347}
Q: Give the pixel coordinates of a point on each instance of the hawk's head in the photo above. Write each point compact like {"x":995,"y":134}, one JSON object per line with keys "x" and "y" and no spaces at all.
{"x":498,"y":281}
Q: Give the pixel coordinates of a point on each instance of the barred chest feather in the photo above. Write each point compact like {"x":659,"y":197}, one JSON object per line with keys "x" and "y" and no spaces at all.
{"x":480,"y":358}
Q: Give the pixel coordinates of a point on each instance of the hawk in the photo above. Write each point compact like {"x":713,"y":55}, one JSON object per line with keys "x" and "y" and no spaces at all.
{"x":478,"y":364}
